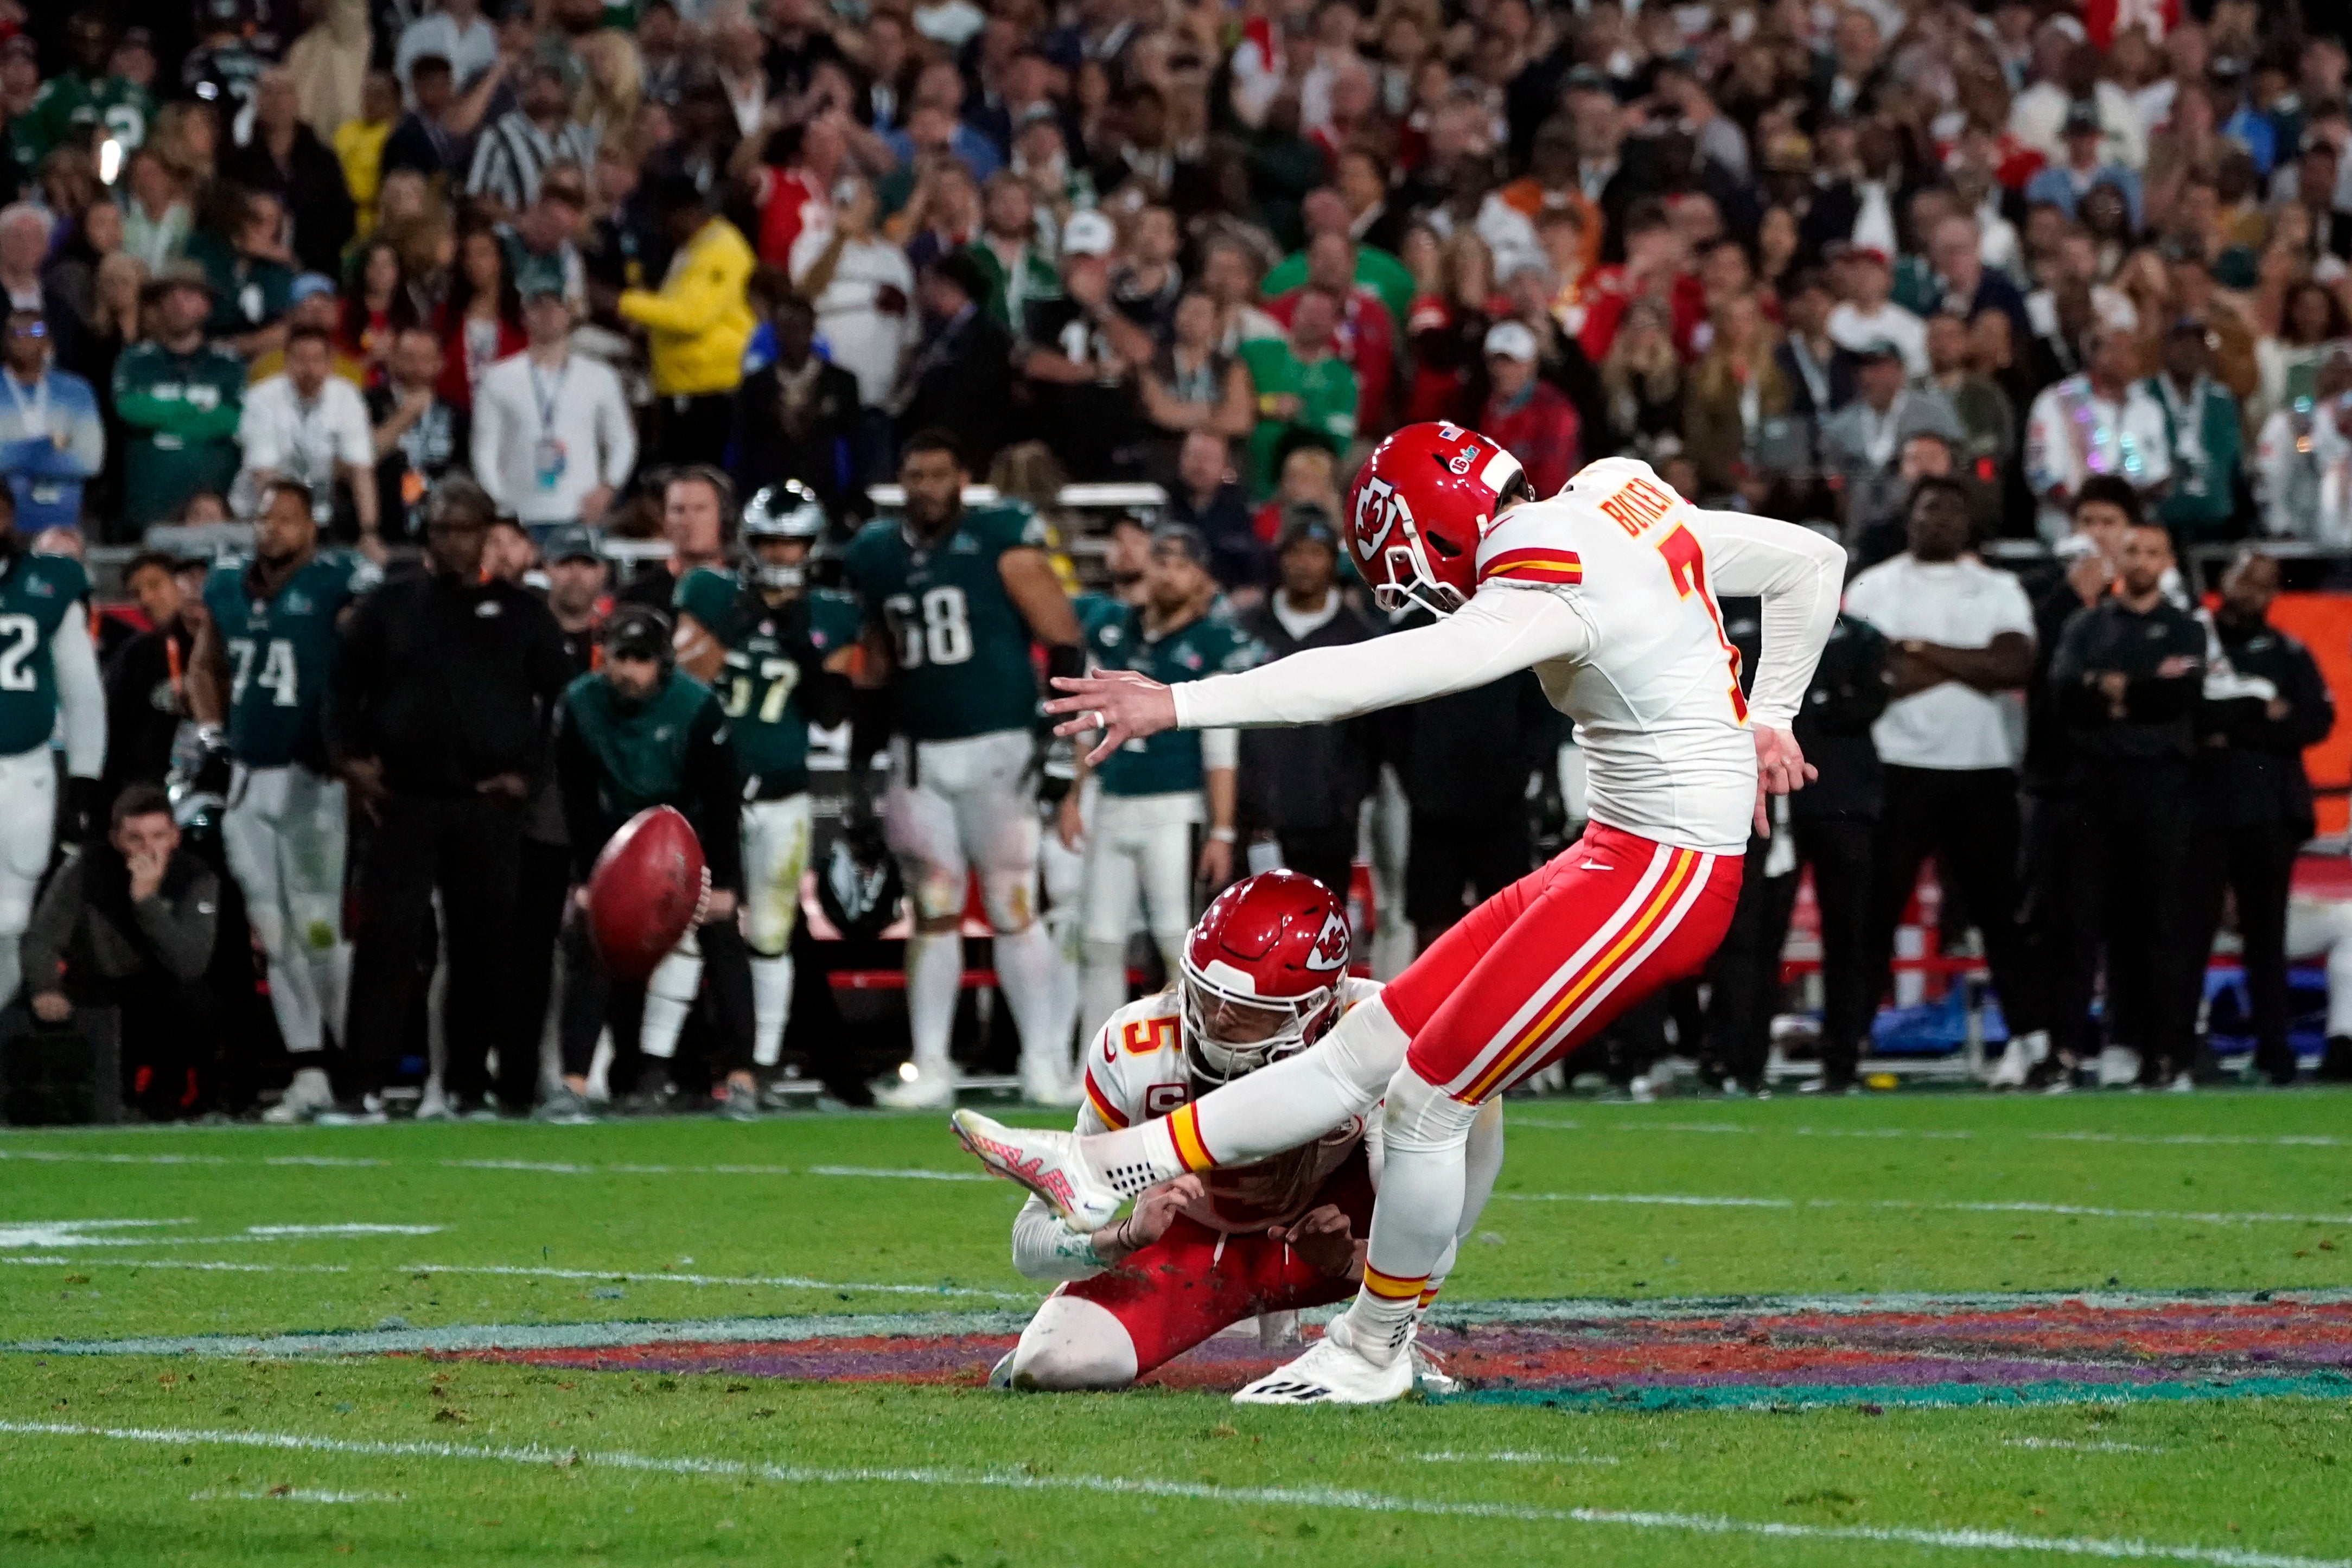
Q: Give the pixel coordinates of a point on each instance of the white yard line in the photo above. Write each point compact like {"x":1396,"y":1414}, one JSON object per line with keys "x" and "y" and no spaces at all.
{"x":1156,"y":1488}
{"x":899,"y":1175}
{"x":2075,"y":1447}
{"x":295,"y":1494}
{"x":1510,"y":1457}
{"x":2283,"y":1141}
{"x":1695,"y":1200}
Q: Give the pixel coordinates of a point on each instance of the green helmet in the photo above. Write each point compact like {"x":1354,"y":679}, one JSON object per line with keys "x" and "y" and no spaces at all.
{"x":786,"y":510}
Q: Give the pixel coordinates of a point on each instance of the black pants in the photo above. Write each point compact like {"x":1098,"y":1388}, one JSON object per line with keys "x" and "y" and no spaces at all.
{"x":469,"y":848}
{"x":2255,"y":863}
{"x":170,"y":1039}
{"x":543,"y":889}
{"x":2125,"y":880}
{"x":594,"y":1002}
{"x":693,"y":429}
{"x":1325,"y":853}
{"x":1452,"y":864}
{"x":1966,"y":818}
{"x":1744,"y":976}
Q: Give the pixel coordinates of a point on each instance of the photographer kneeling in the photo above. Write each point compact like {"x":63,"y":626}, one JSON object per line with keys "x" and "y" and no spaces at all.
{"x":129,"y":924}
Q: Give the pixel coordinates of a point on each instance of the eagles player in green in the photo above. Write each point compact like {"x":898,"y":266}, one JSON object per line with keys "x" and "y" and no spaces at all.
{"x":1154,"y":796}
{"x":777,"y":656}
{"x":48,"y":671}
{"x":264,"y":655}
{"x":954,"y":596}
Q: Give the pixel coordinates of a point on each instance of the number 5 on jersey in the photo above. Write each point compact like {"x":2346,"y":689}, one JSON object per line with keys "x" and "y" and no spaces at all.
{"x":277,"y":676}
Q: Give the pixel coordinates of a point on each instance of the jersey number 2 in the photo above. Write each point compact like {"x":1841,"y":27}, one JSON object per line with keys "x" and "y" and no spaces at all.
{"x":20,"y":636}
{"x":1686,"y":564}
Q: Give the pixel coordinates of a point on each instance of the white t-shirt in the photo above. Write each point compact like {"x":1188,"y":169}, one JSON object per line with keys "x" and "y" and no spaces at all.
{"x":302,"y":440}
{"x":1957,"y":603}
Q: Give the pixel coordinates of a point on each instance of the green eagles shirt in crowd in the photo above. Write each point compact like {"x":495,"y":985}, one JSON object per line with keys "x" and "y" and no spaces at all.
{"x":1326,"y":390}
{"x":248,"y":291}
{"x":37,"y":594}
{"x":1170,"y":761}
{"x":182,"y":411}
{"x":2208,"y":446}
{"x":963,"y":646}
{"x":640,"y":748}
{"x":68,"y":103}
{"x":770,"y":650}
{"x":1375,"y":269}
{"x":281,"y":653}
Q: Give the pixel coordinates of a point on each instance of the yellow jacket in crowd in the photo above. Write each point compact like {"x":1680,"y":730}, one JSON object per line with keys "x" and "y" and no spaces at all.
{"x":699,"y":320}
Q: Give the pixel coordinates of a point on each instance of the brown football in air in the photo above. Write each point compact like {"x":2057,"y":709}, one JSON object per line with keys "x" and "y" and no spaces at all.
{"x":646,"y":891}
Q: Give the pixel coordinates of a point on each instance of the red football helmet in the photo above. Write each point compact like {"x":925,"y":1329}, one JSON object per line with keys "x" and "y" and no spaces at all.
{"x":1419,"y":509}
{"x":1261,"y":973}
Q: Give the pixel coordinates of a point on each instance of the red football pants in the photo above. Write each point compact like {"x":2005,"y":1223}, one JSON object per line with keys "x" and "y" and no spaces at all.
{"x":1552,"y":960}
{"x":1193,"y":1282}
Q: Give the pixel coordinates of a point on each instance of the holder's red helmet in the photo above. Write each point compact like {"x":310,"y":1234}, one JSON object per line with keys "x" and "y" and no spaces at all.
{"x":1419,"y":509}
{"x":1261,"y":973}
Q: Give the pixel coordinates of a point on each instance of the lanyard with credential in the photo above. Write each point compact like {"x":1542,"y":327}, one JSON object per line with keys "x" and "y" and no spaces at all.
{"x":547,"y":398}
{"x":35,"y":413}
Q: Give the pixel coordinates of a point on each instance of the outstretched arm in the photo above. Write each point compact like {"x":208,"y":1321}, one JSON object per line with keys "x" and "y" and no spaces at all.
{"x":1501,"y":631}
{"x":1798,"y":574}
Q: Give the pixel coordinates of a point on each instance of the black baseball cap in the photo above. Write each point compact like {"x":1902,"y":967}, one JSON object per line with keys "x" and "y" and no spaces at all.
{"x":573,"y":542}
{"x":636,"y":631}
{"x":1183,"y":537}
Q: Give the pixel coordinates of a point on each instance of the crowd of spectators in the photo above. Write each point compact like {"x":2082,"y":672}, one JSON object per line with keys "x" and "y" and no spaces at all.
{"x":1923,"y":274}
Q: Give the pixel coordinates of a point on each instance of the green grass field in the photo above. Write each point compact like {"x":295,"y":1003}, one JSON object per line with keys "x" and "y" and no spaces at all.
{"x":241,"y":1345}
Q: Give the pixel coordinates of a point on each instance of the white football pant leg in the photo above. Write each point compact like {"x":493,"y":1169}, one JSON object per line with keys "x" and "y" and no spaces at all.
{"x":28,"y":812}
{"x":1063,"y":873}
{"x":996,"y":819}
{"x":669,"y":997}
{"x":776,"y":852}
{"x":313,"y":839}
{"x":1071,"y":1344}
{"x":249,"y":832}
{"x":1388,"y":830}
{"x":919,"y":824}
{"x":1114,"y":885}
{"x":1165,"y":865}
{"x":2322,"y":928}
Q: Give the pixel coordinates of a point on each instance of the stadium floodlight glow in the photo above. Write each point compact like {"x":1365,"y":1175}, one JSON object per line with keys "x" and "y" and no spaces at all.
{"x":906,"y":1073}
{"x":109,"y":160}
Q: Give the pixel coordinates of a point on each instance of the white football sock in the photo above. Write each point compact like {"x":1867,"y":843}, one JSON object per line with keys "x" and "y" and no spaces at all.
{"x":1277,"y":1108}
{"x":934,"y":976}
{"x":1062,"y":981}
{"x":669,"y":997}
{"x":1482,"y":1163}
{"x":1423,"y":1177}
{"x":1102,"y":985}
{"x":1024,"y":973}
{"x":772,"y":1007}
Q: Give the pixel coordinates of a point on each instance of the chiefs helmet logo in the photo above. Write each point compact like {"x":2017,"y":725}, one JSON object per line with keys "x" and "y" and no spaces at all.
{"x":1376,"y":514}
{"x":1331,"y":949}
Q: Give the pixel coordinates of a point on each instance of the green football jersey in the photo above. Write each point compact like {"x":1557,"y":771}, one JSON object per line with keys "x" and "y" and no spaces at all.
{"x":640,"y":748}
{"x":281,"y":653}
{"x":1211,"y":645}
{"x":963,"y":646}
{"x":771,"y":649}
{"x":70,"y":103}
{"x":37,"y":594}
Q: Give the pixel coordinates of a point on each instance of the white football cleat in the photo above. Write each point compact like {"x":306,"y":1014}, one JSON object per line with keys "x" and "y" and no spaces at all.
{"x":1429,"y":1374}
{"x":434,"y":1105}
{"x":1047,"y":1161}
{"x":304,"y":1099}
{"x":2118,"y":1067}
{"x":924,"y":1091}
{"x":1332,"y":1372}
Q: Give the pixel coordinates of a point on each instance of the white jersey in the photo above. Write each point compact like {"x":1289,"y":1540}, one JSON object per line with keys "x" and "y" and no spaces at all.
{"x":1135,"y":1072}
{"x":1607,"y":591}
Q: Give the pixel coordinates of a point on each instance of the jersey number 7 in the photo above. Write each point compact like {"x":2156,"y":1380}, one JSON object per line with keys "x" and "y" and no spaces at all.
{"x":1686,"y":564}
